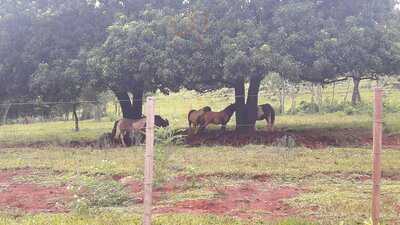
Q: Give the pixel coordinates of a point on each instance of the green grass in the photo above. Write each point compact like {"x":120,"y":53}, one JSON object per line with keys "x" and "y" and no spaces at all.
{"x":332,"y":191}
{"x":328,"y":178}
{"x":61,"y":133}
{"x":125,"y":219}
{"x":176,"y":106}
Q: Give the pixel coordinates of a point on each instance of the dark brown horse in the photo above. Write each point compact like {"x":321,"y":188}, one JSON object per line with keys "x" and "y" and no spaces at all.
{"x":126,"y":128}
{"x":266,"y":112}
{"x":195,"y":115}
{"x":217,"y":118}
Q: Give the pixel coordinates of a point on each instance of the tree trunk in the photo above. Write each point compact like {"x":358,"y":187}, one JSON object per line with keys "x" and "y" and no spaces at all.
{"x":126,"y":105}
{"x":241,"y":117}
{"x":319,"y":96}
{"x":252,"y":103}
{"x":98,"y":112}
{"x":293,"y":106}
{"x":137,"y":102}
{"x":356,"y":98}
{"x":76,"y":118}
{"x":282,"y":100}
{"x":347,"y":91}
{"x":5,"y":115}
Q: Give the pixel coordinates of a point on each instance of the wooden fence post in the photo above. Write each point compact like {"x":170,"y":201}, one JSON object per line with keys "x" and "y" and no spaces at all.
{"x":377,"y":145}
{"x":149,"y":162}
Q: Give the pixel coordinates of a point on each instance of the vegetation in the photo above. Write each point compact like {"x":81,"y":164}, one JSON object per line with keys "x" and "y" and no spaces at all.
{"x":314,"y":60}
{"x":334,"y":178}
{"x":138,"y":47}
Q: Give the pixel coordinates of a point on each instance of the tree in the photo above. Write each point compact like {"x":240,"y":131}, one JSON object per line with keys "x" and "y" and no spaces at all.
{"x":131,"y":59}
{"x":15,"y":69}
{"x":58,"y":48}
{"x":223,"y":43}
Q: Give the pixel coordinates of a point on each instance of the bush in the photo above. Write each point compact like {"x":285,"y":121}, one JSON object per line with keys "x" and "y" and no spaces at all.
{"x":308,"y":108}
{"x":345,"y":107}
{"x":169,"y":136}
{"x":90,"y":192}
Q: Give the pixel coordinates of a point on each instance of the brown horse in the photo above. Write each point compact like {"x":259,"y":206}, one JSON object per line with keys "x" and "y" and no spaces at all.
{"x":266,"y":112}
{"x":194,"y":117}
{"x":217,"y":118}
{"x":124,"y":128}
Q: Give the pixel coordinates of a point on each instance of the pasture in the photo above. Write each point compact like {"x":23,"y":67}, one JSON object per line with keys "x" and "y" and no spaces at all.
{"x":51,"y":174}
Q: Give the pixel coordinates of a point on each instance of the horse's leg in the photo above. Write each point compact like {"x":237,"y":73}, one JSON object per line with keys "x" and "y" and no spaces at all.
{"x":122,"y":139}
{"x":223,"y":127}
{"x":203,"y":126}
{"x":269,"y":123}
{"x":124,"y":134}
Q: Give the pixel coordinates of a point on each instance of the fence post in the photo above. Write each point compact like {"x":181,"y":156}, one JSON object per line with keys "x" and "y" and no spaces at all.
{"x":149,"y":163}
{"x":377,"y":145}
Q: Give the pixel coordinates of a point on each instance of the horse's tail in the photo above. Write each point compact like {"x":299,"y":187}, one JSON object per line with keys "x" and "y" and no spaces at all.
{"x":190,"y":113}
{"x":114,"y":130}
{"x":272,"y":116}
{"x":269,"y":112}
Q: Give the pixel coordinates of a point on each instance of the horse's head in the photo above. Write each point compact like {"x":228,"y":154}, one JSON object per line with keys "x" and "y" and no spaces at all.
{"x":230,"y":109}
{"x":160,"y":122}
{"x":207,"y":109}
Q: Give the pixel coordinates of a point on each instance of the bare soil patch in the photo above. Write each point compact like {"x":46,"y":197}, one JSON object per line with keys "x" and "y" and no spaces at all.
{"x":313,"y":138}
{"x":309,"y":138}
{"x":31,"y":198}
{"x":364,"y":176}
{"x":243,"y":201}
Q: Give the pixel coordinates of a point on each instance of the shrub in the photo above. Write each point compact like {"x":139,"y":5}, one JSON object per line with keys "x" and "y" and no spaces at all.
{"x":98,"y":193}
{"x":169,"y":136}
{"x":308,"y":108}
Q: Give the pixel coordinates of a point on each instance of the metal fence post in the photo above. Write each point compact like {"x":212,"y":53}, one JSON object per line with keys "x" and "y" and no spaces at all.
{"x":149,"y":161}
{"x":377,"y":148}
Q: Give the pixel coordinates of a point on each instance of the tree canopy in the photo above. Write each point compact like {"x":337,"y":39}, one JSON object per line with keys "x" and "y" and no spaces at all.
{"x":54,"y":50}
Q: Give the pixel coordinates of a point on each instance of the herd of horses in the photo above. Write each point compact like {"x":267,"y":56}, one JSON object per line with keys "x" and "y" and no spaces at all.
{"x":128,"y":132}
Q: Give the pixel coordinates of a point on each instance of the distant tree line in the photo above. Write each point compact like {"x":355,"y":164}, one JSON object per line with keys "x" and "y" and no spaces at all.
{"x":55,"y":51}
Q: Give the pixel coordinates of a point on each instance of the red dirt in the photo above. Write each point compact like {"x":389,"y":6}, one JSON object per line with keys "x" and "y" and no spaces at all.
{"x":310,"y":138}
{"x":136,"y":187}
{"x":364,"y":176}
{"x":30,"y":198}
{"x":313,"y":138}
{"x":244,"y":202}
{"x":397,"y":208}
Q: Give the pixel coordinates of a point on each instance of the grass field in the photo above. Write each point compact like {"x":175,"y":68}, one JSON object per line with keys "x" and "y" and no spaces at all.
{"x":322,"y":180}
{"x":218,"y":185}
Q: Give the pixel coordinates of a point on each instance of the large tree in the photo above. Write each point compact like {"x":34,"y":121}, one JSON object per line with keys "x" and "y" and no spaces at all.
{"x":131,"y":60}
{"x":223,"y":43}
{"x":336,"y":40}
{"x":16,"y":27}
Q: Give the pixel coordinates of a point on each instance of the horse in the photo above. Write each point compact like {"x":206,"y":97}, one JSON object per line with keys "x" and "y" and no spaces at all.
{"x":217,"y":118}
{"x":268,"y":113}
{"x":124,"y":129}
{"x":194,"y":116}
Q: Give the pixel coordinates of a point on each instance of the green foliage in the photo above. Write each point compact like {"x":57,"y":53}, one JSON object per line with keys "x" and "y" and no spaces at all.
{"x":169,"y":135}
{"x":91,"y":193}
{"x":308,"y":108}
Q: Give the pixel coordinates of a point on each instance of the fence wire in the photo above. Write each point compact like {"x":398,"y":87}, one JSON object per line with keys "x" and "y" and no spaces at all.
{"x":200,"y":173}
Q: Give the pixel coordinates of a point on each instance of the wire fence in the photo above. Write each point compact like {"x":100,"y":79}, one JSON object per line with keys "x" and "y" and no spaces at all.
{"x":53,"y":124}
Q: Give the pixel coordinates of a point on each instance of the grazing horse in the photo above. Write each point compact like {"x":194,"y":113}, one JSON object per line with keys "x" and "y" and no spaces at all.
{"x":194,"y":116}
{"x":268,"y":113}
{"x":124,"y":128}
{"x":217,"y":118}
